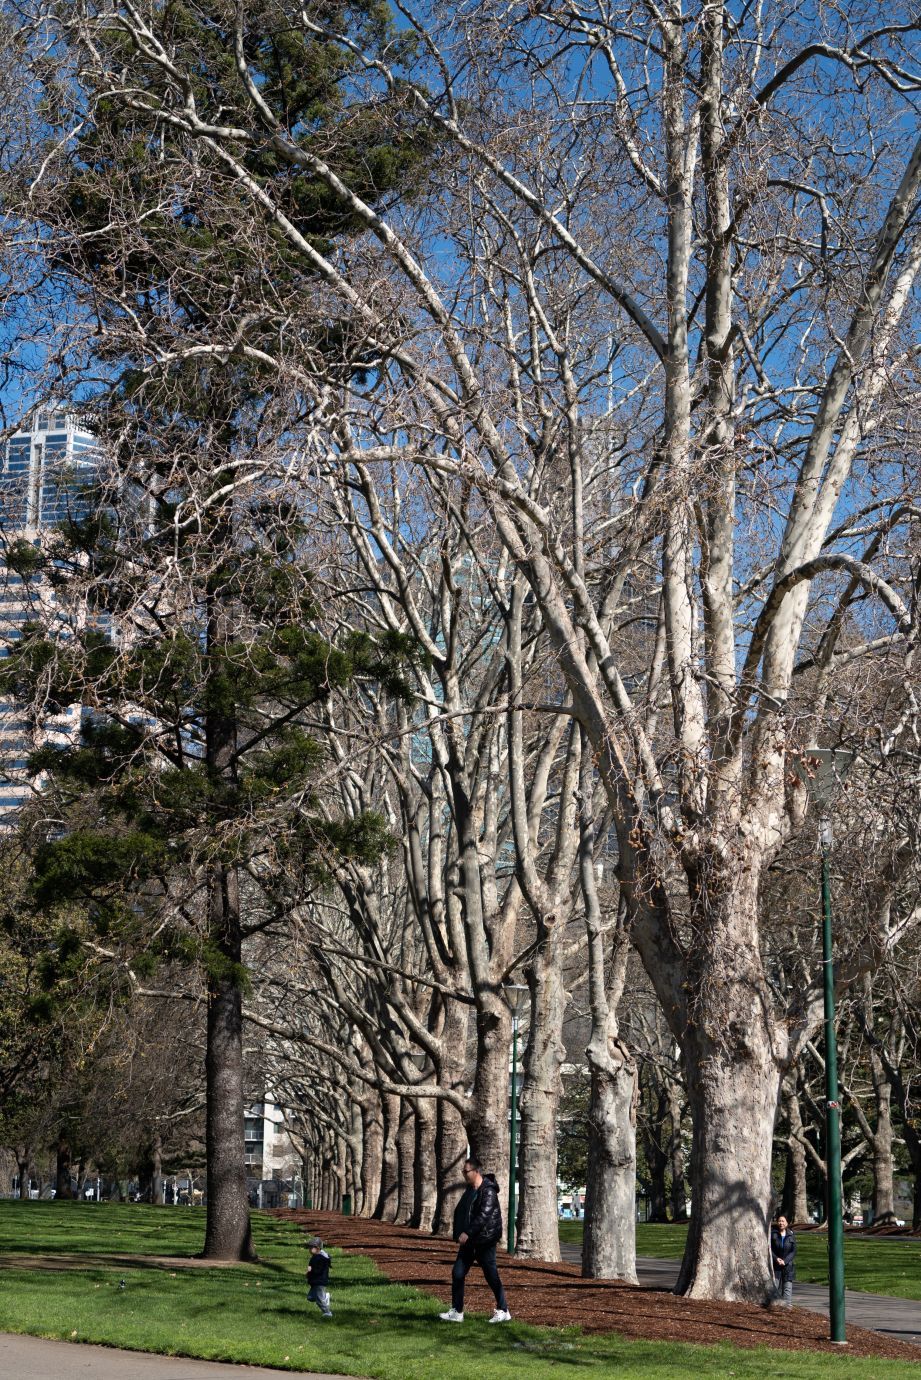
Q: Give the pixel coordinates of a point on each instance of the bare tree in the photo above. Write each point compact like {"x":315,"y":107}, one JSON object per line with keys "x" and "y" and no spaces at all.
{"x":671,"y":347}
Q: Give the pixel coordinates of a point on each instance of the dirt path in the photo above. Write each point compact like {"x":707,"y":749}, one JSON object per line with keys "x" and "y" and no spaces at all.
{"x":556,"y":1295}
{"x":35,"y":1358}
{"x":894,"y":1317}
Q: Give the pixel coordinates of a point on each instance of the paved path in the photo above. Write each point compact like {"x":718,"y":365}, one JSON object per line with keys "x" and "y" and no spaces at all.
{"x":899,"y":1318}
{"x":33,"y":1358}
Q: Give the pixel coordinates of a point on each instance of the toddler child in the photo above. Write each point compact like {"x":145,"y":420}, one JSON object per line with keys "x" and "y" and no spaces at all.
{"x":318,"y":1276}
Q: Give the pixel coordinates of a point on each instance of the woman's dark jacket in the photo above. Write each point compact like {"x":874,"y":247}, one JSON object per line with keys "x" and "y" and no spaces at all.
{"x":478,"y":1213}
{"x":786,"y":1250}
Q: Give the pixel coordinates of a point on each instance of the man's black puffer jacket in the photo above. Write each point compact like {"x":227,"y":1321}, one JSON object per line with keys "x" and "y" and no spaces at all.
{"x":485,"y":1213}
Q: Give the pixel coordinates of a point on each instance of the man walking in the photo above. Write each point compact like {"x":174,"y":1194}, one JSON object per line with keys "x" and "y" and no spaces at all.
{"x":477,"y":1230}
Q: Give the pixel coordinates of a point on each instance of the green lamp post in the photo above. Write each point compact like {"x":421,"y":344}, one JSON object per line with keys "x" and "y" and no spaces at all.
{"x":825,"y":768}
{"x":516,"y":995}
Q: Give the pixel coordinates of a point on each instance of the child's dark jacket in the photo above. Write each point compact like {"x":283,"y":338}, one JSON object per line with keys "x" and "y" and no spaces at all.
{"x":318,"y":1270}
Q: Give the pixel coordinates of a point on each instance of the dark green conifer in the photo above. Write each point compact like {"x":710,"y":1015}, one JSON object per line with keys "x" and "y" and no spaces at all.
{"x":193,"y":635}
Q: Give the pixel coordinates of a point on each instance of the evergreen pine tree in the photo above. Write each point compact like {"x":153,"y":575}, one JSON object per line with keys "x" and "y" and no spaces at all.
{"x":188,"y":591}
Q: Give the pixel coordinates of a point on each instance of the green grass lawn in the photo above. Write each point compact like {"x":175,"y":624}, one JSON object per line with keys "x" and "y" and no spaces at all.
{"x":877,"y":1266}
{"x":259,"y":1314}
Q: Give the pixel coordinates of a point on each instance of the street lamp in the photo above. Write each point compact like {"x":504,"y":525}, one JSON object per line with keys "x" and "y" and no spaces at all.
{"x":516,"y":995}
{"x":825,"y":769}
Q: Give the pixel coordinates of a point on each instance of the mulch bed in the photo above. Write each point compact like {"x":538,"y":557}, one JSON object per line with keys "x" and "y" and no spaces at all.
{"x":556,"y":1295}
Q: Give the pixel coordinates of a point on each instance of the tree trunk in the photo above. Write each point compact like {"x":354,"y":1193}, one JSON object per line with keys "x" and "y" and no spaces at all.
{"x":227,"y":1233}
{"x":424,"y":1167}
{"x":372,"y":1155}
{"x":795,"y":1204}
{"x":156,"y":1169}
{"x":62,"y":1188}
{"x":450,"y":1131}
{"x":450,"y":1153}
{"x":23,"y":1160}
{"x":538,"y":1219}
{"x":355,"y":1153}
{"x":609,"y":1244}
{"x":406,"y":1157}
{"x":657,"y":1159}
{"x":487,"y":1120}
{"x":733,"y":1098}
{"x":733,"y":1081}
{"x":883,"y":1184}
{"x":341,"y":1169}
{"x":675,"y":1152}
{"x":388,"y":1199}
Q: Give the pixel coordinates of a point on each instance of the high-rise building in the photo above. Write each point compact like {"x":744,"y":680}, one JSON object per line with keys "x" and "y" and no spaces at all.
{"x":47,"y":473}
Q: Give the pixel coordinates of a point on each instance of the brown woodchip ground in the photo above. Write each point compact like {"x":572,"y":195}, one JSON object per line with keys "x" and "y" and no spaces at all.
{"x":551,"y":1295}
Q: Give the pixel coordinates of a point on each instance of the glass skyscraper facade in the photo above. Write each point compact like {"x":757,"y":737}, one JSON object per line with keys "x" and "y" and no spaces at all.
{"x":47,"y":474}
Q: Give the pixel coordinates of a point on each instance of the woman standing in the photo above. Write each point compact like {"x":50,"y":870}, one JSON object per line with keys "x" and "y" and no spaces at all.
{"x":783,"y":1257}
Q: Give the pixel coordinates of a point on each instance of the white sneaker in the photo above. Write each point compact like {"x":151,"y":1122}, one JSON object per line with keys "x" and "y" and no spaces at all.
{"x":501,"y":1315}
{"x":452,"y":1315}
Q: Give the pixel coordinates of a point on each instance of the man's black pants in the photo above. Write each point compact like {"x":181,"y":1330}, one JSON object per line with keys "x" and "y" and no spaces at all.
{"x":484,"y":1253}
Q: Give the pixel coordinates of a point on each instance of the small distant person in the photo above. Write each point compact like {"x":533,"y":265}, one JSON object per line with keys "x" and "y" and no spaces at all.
{"x":783,"y":1258}
{"x":477,"y":1231}
{"x":318,"y":1276}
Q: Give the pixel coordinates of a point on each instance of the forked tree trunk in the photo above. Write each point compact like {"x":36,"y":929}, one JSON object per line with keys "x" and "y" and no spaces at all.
{"x":406,"y":1156}
{"x":372,"y":1154}
{"x":424,"y":1169}
{"x":388,"y":1198}
{"x":538,"y":1220}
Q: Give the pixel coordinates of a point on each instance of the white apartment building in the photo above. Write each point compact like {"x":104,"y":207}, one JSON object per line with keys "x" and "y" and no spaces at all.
{"x":46,"y":472}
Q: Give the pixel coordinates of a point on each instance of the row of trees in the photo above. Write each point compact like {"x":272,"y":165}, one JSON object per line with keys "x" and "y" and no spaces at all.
{"x":112,"y":1092}
{"x":510,"y":472}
